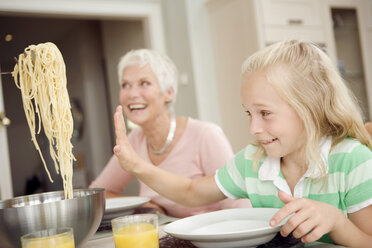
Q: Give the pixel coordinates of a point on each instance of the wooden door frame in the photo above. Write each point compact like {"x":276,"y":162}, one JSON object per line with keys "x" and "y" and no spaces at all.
{"x":149,"y":12}
{"x":6,"y":186}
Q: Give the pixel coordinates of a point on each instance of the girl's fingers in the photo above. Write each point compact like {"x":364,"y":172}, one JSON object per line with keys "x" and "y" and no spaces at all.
{"x":315,"y":234}
{"x":284,"y":197}
{"x":303,"y":228}
{"x":117,"y":149}
{"x":285,"y":211}
{"x":120,"y":130}
{"x":294,"y":224}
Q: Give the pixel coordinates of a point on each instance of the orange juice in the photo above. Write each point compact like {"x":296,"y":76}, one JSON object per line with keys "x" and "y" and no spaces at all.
{"x":141,"y":235}
{"x":55,"y":241}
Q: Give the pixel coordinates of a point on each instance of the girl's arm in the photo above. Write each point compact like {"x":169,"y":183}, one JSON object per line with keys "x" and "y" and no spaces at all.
{"x":186,"y":191}
{"x":312,"y":219}
{"x":112,"y":178}
{"x":358,"y":231}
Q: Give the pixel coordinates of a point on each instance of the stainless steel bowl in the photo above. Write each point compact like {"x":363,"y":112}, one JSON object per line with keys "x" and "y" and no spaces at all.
{"x":25,"y":214}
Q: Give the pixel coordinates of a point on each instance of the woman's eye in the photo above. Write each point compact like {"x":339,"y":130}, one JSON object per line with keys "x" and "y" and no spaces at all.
{"x":265,"y":113}
{"x":248,"y":113}
{"x":145,"y":83}
{"x":124,"y":85}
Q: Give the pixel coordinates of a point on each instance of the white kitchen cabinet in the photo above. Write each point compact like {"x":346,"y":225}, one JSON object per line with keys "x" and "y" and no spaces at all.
{"x":290,"y":19}
{"x":291,"y":13}
{"x":297,"y":19}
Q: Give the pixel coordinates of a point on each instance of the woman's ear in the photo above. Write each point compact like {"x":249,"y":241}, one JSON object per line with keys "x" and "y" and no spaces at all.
{"x":169,"y":94}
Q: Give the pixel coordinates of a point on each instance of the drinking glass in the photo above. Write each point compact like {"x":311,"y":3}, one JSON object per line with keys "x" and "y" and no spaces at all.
{"x":49,"y":238}
{"x":136,"y":231}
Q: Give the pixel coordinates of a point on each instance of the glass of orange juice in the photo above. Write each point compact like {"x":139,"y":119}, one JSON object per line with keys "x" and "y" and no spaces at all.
{"x":136,"y":231}
{"x":49,"y":238}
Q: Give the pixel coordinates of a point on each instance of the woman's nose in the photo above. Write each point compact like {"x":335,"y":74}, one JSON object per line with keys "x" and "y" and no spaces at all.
{"x":133,"y":91}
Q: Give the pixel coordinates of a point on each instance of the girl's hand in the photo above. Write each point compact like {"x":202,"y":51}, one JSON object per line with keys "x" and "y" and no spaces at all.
{"x":110,"y":194}
{"x":127,"y":157}
{"x":158,"y":208}
{"x":311,"y":219}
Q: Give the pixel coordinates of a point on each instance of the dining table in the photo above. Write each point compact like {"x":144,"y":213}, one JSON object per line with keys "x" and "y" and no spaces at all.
{"x":103,"y":238}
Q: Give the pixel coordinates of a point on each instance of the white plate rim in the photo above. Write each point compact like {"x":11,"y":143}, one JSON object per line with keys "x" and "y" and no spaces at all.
{"x":129,"y":202}
{"x":225,"y":236}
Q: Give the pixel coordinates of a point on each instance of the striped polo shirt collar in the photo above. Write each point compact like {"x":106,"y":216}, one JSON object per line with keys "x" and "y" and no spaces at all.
{"x":270,"y":168}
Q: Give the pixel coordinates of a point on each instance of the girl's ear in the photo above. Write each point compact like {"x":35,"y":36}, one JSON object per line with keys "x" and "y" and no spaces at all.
{"x":368,"y":126}
{"x":169,"y":94}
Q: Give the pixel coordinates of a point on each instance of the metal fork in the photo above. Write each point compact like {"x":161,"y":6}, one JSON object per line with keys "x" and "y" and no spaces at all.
{"x":33,"y":58}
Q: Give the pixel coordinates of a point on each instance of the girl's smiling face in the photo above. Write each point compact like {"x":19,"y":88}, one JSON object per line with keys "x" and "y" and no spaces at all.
{"x":140,"y":94}
{"x":273,"y":122}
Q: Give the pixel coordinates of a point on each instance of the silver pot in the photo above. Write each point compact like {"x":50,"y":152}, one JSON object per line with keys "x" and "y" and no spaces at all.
{"x":25,"y":214}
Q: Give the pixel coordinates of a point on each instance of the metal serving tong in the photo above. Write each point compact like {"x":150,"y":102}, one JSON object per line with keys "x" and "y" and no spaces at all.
{"x":33,"y":57}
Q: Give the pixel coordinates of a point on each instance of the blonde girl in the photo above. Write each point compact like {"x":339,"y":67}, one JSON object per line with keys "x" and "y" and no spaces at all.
{"x":311,"y":159}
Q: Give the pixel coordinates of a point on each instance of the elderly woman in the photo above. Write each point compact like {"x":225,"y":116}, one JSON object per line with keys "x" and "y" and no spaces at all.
{"x":178,"y":144}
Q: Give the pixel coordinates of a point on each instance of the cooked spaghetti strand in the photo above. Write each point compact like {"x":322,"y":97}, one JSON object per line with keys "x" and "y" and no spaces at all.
{"x":42,"y":81}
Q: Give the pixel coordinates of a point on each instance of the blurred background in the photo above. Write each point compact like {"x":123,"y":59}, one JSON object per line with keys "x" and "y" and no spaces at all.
{"x":207,"y":39}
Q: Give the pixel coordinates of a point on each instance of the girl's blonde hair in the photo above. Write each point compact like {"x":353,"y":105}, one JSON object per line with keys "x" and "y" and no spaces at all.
{"x":307,"y":80}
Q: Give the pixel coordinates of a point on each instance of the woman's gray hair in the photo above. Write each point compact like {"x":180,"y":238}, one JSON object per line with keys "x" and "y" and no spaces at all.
{"x":163,"y":67}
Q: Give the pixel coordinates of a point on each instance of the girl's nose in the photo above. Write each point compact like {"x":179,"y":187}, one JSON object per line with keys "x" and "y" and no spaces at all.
{"x":255,"y":126}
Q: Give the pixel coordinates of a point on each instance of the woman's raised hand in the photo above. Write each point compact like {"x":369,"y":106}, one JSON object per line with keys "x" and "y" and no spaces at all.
{"x":127,"y":157}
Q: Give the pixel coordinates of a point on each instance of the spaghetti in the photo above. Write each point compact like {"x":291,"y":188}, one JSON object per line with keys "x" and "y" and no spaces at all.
{"x":42,"y":81}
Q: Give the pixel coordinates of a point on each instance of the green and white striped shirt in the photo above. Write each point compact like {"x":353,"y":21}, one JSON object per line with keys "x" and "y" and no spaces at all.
{"x":347,"y":187}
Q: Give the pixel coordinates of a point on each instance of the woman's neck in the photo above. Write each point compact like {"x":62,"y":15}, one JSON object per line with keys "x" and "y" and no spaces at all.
{"x":156,"y":131}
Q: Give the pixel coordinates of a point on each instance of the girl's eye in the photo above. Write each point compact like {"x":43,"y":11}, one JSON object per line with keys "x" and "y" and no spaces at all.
{"x":265,"y":113}
{"x":248,"y":113}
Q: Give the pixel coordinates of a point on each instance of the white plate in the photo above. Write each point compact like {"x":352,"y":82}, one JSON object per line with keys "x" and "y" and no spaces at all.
{"x":238,"y":227}
{"x":118,"y":204}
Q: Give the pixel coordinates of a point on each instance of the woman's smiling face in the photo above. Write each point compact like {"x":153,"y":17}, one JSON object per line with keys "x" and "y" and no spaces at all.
{"x":140,"y":94}
{"x":273,"y":122}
